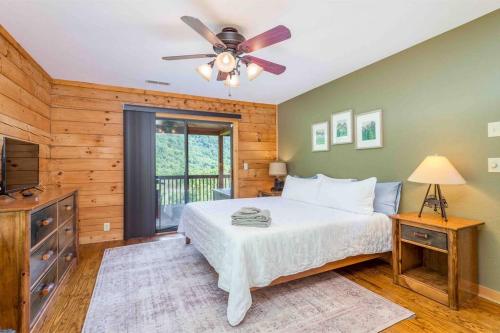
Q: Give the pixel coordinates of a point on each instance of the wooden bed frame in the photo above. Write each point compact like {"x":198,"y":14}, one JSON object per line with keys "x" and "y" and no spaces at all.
{"x":326,"y":267}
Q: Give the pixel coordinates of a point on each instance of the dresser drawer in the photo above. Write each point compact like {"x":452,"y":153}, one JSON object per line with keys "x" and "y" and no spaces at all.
{"x":65,"y":260}
{"x":42,"y":258}
{"x":66,"y":234}
{"x":42,"y":291}
{"x":425,"y":236}
{"x":43,"y":223}
{"x":66,"y":208}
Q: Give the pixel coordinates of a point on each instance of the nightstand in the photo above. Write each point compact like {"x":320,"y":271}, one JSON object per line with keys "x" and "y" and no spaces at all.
{"x":435,"y":258}
{"x":269,"y":193}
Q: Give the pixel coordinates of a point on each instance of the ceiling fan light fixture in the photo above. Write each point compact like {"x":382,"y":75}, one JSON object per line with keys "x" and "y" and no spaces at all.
{"x":205,"y":71}
{"x":225,"y":62}
{"x":232,"y":80}
{"x":253,"y":70}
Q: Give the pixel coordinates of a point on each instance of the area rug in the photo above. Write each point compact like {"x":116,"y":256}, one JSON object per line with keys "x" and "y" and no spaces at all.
{"x":167,"y":286}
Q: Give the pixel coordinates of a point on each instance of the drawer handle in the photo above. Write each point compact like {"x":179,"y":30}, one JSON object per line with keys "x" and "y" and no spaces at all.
{"x":420,"y":235}
{"x":68,"y":257}
{"x":68,"y":207}
{"x":46,"y":256}
{"x":46,"y":222}
{"x":47,"y":289}
{"x":68,"y":229}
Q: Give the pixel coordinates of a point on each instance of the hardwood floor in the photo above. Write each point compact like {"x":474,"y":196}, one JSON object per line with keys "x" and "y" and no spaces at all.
{"x":476,"y":316}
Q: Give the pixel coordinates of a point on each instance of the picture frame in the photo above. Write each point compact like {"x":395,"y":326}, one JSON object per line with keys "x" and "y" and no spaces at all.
{"x":320,"y":136}
{"x":369,"y":130}
{"x":342,"y":127}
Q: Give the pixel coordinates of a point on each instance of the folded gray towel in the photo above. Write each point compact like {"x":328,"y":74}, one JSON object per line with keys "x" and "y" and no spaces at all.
{"x":245,"y":223}
{"x":251,"y":216}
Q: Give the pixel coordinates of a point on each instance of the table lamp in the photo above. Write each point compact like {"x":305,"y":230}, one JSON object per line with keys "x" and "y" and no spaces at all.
{"x":436,"y":170}
{"x":278,"y":170}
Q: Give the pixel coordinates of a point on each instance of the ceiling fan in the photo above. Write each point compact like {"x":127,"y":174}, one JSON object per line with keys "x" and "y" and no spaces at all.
{"x":230,"y":48}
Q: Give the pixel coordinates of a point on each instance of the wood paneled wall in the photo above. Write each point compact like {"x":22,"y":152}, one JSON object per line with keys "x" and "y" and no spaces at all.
{"x":79,"y":127}
{"x":24,"y":99}
{"x":87,"y":146}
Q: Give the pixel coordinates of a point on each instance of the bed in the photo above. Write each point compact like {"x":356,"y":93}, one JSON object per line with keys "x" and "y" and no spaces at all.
{"x":303,"y":239}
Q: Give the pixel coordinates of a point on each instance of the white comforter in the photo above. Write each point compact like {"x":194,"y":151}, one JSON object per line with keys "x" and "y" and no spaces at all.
{"x":301,"y":236}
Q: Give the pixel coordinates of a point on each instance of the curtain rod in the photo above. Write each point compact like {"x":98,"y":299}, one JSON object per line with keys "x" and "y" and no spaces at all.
{"x":141,"y":108}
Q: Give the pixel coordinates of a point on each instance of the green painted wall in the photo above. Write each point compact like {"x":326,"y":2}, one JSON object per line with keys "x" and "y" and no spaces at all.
{"x":436,"y":97}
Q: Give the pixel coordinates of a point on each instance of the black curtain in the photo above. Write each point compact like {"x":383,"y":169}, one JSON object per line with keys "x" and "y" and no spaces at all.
{"x":139,"y":150}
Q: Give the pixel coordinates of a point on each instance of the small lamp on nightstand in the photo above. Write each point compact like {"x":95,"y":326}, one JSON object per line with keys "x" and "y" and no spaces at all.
{"x":278,"y":170}
{"x":436,"y":170}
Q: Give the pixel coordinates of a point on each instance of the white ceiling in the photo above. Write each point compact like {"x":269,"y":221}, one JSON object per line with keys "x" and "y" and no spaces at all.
{"x":120,"y":42}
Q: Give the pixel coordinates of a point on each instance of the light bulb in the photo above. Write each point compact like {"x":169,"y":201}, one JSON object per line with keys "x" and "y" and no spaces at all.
{"x":232,"y":81}
{"x":225,"y":62}
{"x":205,"y":71}
{"x":253,"y":70}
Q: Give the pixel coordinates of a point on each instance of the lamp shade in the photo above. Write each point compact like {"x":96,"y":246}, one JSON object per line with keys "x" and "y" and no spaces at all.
{"x":436,"y":170}
{"x":205,"y":71}
{"x":225,"y":62}
{"x":232,"y":80}
{"x":277,"y":169}
{"x":253,"y":70}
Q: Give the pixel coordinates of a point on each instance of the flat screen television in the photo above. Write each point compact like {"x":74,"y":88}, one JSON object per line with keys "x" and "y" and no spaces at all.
{"x":19,"y":167}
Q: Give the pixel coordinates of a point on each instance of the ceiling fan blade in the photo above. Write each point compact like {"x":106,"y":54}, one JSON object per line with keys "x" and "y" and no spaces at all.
{"x":190,"y":56}
{"x":268,"y":66}
{"x":270,"y":37}
{"x":221,"y":76}
{"x":203,"y":30}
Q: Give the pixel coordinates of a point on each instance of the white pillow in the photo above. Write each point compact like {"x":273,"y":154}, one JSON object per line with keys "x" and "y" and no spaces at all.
{"x":321,"y":176}
{"x":355,"y":197}
{"x":301,"y":189}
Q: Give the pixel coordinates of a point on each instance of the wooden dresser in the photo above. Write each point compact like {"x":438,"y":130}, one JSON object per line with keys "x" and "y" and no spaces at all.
{"x":38,"y":249}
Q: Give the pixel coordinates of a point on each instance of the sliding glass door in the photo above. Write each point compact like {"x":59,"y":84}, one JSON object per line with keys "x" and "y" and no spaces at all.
{"x":171,"y":172}
{"x":193,"y":163}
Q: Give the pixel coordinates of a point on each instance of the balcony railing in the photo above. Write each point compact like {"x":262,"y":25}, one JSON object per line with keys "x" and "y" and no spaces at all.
{"x":171,"y":189}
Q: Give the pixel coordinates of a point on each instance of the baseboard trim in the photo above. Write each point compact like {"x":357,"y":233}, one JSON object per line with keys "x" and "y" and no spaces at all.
{"x":489,"y":294}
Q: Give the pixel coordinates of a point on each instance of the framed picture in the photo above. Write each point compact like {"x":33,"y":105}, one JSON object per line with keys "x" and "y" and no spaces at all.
{"x":342,"y":127}
{"x":369,"y":130}
{"x":320,"y":136}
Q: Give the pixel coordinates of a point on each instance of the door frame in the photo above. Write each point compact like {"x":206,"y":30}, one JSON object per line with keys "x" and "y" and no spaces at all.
{"x":217,"y":119}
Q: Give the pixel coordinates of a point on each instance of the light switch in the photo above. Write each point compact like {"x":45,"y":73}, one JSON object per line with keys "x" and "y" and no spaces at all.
{"x":245,"y":166}
{"x":494,"y":129}
{"x":494,"y":164}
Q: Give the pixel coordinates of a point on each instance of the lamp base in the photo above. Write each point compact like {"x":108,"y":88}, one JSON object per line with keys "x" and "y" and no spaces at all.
{"x":435,"y":201}
{"x":278,"y":185}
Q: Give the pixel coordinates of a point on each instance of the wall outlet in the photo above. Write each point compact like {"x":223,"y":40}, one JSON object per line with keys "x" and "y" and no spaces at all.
{"x":107,"y":226}
{"x":494,"y":129}
{"x":245,"y":166}
{"x":494,"y":164}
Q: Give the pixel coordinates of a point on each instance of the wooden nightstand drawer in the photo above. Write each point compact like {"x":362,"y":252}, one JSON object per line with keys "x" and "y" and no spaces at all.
{"x":424,"y":236}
